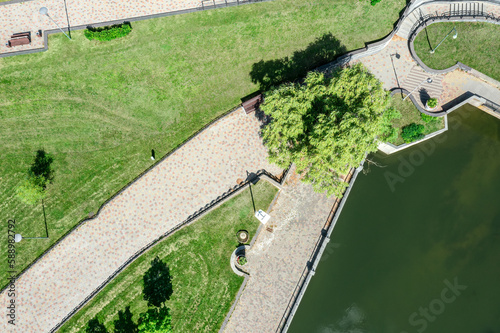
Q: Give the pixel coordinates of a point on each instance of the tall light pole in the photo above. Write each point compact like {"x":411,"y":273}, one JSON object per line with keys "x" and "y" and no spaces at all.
{"x":19,"y":237}
{"x":429,"y":80}
{"x":250,"y":178}
{"x":454,"y":37}
{"x":45,"y":11}
{"x":394,"y":68}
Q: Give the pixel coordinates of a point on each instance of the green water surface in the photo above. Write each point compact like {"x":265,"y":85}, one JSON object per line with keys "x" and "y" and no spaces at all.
{"x":417,"y":246}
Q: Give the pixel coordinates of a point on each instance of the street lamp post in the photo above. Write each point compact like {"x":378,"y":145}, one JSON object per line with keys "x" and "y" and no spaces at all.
{"x":428,"y":80}
{"x":45,"y":11}
{"x":394,"y":68}
{"x":454,"y":37}
{"x":250,"y":178}
{"x":19,"y":237}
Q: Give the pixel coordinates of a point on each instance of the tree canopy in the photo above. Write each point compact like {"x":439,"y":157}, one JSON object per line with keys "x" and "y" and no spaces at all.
{"x":31,"y":191}
{"x":40,"y":174}
{"x":155,"y":320}
{"x":326,"y":125}
{"x":157,"y":283}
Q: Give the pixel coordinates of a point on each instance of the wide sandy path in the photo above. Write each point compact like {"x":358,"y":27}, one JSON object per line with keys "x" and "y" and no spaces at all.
{"x":193,"y":176}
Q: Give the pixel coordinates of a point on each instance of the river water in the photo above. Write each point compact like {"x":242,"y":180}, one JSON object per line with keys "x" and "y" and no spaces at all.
{"x":417,"y":246}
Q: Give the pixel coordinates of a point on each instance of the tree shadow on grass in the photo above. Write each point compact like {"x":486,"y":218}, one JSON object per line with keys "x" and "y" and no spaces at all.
{"x":124,"y":323}
{"x":41,"y":166}
{"x":157,"y":283}
{"x":273,"y":72}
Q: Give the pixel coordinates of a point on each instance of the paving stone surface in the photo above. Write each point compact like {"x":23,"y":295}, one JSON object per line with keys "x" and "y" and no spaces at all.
{"x":25,"y":16}
{"x":277,"y":259}
{"x":395,"y":68}
{"x":193,"y":176}
{"x":402,"y":71}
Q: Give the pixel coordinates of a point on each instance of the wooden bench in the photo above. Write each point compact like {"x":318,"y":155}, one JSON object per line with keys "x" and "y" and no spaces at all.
{"x":252,"y":104}
{"x":20,"y":34}
{"x":22,"y":38}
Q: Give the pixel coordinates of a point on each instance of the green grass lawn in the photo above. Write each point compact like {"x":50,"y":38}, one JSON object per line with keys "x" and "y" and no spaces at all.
{"x":100,"y":107}
{"x":477,"y":46}
{"x":198,"y":256}
{"x":410,"y":114}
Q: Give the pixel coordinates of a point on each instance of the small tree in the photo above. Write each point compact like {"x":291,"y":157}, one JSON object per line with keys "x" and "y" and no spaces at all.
{"x":40,"y":174}
{"x":30,"y":191}
{"x":95,"y":326}
{"x":155,"y":320}
{"x":157,"y":283}
{"x":124,"y":323}
{"x":326,"y":126}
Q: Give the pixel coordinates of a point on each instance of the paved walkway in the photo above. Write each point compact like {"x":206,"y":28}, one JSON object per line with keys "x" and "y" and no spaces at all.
{"x":395,"y":67}
{"x":197,"y":173}
{"x":277,"y":260}
{"x":24,"y":16}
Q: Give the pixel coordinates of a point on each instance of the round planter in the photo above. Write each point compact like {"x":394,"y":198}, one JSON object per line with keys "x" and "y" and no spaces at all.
{"x":241,"y":260}
{"x":428,"y":108}
{"x":235,"y":266}
{"x":242,"y":236}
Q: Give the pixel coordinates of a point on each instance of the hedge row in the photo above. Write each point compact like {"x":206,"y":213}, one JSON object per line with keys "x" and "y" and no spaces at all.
{"x":109,"y":32}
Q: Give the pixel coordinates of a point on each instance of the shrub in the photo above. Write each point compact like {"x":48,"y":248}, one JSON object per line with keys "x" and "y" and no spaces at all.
{"x":389,"y":133}
{"x":427,"y":118}
{"x":242,"y":260}
{"x":109,"y":32}
{"x":374,"y":2}
{"x":412,"y":132}
{"x":432,"y":103}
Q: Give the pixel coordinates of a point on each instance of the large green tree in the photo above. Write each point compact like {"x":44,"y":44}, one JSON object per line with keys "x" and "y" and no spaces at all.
{"x":326,"y":125}
{"x":155,"y":320}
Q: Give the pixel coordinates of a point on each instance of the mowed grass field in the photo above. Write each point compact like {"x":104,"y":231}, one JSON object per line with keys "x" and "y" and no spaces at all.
{"x":204,"y":286}
{"x":100,"y":107}
{"x":409,"y":115}
{"x":477,"y":45}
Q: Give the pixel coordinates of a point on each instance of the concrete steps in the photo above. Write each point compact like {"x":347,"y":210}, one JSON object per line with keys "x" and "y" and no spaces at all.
{"x":426,"y":90}
{"x":410,"y":20}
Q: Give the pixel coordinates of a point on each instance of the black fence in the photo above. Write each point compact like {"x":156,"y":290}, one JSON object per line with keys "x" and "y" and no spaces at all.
{"x":452,"y":15}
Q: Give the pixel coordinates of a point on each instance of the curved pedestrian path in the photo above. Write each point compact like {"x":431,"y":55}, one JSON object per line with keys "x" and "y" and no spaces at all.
{"x":397,"y":66}
{"x":193,"y":176}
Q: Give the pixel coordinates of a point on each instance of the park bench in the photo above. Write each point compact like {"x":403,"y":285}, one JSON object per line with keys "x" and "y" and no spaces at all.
{"x":252,"y":104}
{"x":22,"y":38}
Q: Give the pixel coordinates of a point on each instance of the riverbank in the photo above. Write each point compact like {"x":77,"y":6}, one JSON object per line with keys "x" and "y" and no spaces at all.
{"x":399,"y":246}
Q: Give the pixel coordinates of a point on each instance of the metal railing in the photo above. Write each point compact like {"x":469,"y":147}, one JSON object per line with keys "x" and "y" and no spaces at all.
{"x":492,"y":105}
{"x":191,"y":218}
{"x":448,"y":15}
{"x":314,"y":258}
